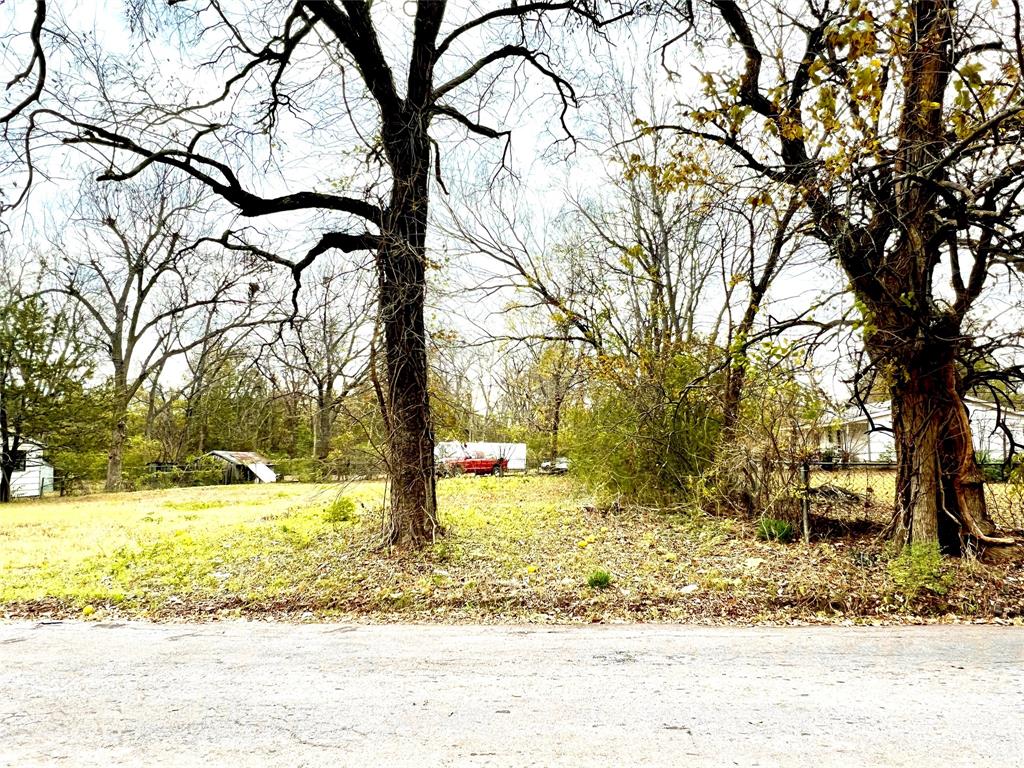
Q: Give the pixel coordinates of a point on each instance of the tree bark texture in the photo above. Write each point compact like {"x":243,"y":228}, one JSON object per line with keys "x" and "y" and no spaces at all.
{"x":939,"y":487}
{"x":324,"y":428}
{"x":115,"y":455}
{"x":401,"y":263}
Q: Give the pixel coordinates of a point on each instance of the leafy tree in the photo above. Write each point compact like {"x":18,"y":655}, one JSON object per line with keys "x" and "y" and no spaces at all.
{"x":43,"y":370}
{"x":899,"y":126}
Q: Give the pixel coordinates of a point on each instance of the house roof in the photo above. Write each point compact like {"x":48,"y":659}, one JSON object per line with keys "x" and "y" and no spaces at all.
{"x":882,"y":411}
{"x":243,"y":458}
{"x":29,"y":441}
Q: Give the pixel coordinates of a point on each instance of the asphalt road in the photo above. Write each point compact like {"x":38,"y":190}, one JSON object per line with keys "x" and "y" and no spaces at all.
{"x":261,"y":694}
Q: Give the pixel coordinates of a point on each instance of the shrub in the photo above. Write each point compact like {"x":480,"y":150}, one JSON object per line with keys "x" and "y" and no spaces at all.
{"x":177,"y":478}
{"x":341,"y":510}
{"x":918,"y":568}
{"x":599,"y":579}
{"x":645,"y":431}
{"x":773,"y":529}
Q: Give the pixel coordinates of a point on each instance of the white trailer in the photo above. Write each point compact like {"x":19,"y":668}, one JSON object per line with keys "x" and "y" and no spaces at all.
{"x":515,"y":453}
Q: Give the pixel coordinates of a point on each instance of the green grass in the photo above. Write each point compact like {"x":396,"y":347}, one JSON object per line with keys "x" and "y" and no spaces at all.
{"x":771,"y":529}
{"x":515,"y":548}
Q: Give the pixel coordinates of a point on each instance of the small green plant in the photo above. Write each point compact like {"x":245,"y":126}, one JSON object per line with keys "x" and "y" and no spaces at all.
{"x":341,"y":510}
{"x":920,"y":568}
{"x":599,"y":579}
{"x":773,"y":529}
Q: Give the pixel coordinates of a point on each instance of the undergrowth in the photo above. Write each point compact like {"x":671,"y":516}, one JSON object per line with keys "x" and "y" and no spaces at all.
{"x":537,"y":549}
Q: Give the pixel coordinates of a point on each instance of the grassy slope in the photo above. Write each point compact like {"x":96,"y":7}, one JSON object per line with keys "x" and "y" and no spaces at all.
{"x":517,"y":548}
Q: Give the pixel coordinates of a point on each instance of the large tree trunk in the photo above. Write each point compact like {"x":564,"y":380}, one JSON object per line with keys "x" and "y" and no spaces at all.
{"x":402,"y":276}
{"x":940,"y":495}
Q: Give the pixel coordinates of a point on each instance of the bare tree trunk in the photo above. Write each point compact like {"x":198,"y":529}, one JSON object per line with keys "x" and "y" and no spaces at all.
{"x":119,"y":432}
{"x":6,"y":472}
{"x":324,"y":428}
{"x":115,"y":454}
{"x":735,"y":378}
{"x":939,"y":489}
{"x":556,"y":422}
{"x":402,"y":276}
{"x":6,"y":459}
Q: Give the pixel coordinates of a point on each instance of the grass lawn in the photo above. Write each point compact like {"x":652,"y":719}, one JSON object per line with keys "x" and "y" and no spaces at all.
{"x":534,"y":548}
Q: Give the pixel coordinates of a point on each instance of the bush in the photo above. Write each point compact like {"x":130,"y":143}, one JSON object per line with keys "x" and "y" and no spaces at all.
{"x":86,"y":465}
{"x":773,"y":529}
{"x":599,"y":579}
{"x":177,"y":478}
{"x":920,"y":568}
{"x":645,"y":431}
{"x":341,"y":510}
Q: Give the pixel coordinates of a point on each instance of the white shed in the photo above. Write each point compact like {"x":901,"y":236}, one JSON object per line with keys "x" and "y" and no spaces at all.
{"x":33,"y":475}
{"x":245,"y":467}
{"x":867,"y":437}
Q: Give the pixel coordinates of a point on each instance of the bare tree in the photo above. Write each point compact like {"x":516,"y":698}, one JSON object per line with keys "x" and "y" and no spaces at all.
{"x":537,"y":384}
{"x":23,"y":88}
{"x":148,"y":293}
{"x":327,"y":345}
{"x":327,"y":63}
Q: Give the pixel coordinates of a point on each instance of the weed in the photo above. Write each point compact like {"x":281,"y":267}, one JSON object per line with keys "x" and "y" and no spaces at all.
{"x":192,"y":506}
{"x":773,"y":529}
{"x":341,"y":510}
{"x":920,"y":568}
{"x":599,"y":579}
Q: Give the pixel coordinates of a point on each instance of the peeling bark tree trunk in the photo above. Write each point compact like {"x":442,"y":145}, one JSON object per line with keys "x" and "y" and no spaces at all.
{"x":939,"y":488}
{"x":402,"y":283}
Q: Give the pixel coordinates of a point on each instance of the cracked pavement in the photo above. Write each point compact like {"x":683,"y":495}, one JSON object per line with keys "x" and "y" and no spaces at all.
{"x":265,"y":694}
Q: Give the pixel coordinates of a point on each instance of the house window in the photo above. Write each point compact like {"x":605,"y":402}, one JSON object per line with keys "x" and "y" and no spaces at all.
{"x":18,"y":460}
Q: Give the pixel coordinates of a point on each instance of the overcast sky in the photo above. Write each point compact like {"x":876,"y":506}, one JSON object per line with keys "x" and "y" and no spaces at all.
{"x":318,"y":146}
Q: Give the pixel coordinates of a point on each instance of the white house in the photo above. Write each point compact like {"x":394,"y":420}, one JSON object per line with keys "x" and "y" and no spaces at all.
{"x":33,"y":475}
{"x":867,"y":437}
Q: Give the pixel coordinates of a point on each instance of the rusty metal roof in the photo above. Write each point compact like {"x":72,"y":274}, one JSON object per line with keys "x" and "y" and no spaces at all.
{"x":244,"y":458}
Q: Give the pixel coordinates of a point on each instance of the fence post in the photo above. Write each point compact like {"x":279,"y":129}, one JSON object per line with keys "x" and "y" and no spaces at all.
{"x":805,"y":500}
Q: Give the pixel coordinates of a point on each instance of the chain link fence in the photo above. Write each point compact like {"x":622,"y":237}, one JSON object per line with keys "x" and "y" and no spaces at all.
{"x":867,"y":491}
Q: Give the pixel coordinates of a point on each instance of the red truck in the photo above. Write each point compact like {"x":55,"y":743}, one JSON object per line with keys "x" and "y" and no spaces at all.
{"x":455,"y":459}
{"x":468,"y":465}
